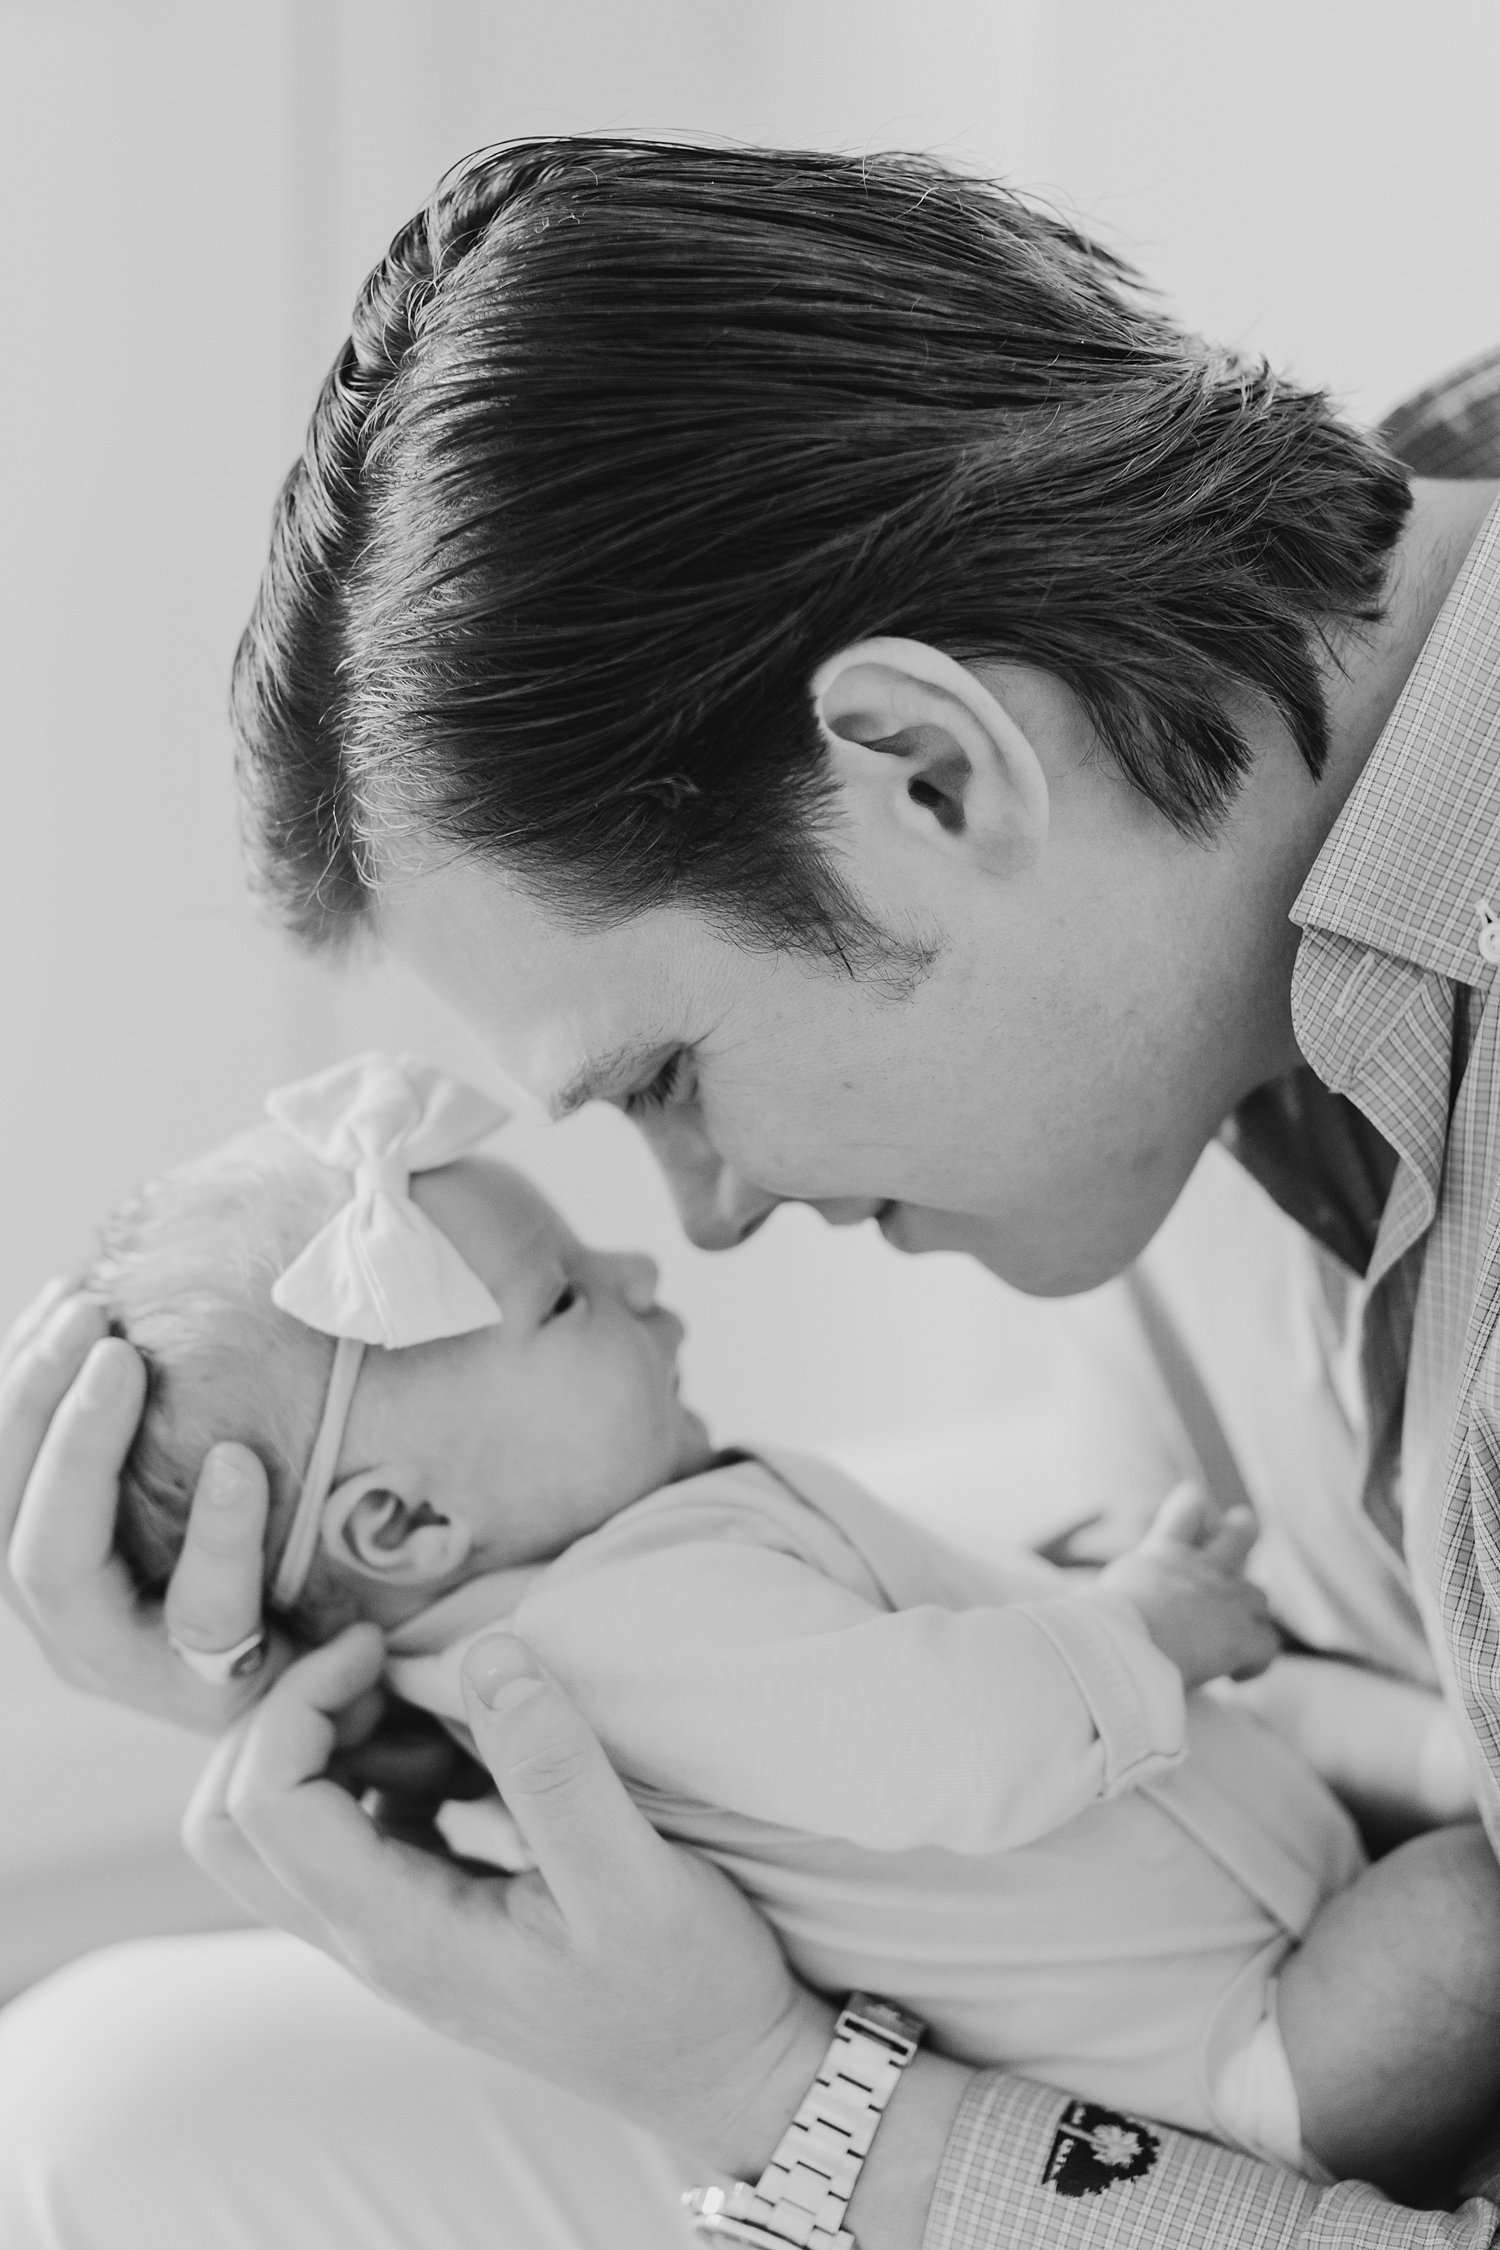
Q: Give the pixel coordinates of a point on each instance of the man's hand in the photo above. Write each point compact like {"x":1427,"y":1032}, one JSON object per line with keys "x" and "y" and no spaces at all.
{"x":70,"y":1399}
{"x":622,"y":1967}
{"x":1187,"y":1579}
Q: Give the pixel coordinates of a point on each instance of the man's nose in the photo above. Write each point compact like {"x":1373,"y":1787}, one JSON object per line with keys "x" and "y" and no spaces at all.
{"x":717,"y":1205}
{"x":729,"y":1209}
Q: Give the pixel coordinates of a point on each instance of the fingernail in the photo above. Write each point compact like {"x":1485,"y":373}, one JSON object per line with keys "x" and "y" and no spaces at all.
{"x":500,"y":1664}
{"x":226,"y":1483}
{"x":102,"y":1377}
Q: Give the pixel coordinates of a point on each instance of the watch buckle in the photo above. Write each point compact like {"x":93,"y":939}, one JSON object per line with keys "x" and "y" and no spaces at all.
{"x":878,"y":2021}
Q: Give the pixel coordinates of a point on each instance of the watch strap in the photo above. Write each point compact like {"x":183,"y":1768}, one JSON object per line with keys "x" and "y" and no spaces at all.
{"x":803,"y":2193}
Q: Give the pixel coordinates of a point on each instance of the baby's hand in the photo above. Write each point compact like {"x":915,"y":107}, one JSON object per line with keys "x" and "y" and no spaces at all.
{"x":1187,"y":1580}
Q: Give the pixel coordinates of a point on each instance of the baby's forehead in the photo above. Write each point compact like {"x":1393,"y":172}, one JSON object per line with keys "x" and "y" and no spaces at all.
{"x":486,"y":1206}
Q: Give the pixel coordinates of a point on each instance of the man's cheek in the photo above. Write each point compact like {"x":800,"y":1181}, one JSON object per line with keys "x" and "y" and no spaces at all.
{"x":784,"y":1156}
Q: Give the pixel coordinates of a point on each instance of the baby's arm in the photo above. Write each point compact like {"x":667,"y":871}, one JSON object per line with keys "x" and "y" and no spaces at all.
{"x":1390,"y":2015}
{"x":734,"y":1673}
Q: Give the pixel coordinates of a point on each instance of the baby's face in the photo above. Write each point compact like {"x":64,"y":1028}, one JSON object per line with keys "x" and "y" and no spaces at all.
{"x":538,"y":1430}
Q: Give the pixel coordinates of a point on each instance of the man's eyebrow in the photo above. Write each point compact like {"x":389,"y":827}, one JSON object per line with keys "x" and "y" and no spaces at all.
{"x":603,"y":1075}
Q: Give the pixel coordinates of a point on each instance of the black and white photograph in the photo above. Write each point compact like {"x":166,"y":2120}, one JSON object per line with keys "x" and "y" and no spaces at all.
{"x":750,"y":1125}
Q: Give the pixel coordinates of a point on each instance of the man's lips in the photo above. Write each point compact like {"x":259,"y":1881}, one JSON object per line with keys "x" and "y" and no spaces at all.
{"x":851,"y":1211}
{"x":832,"y":1213}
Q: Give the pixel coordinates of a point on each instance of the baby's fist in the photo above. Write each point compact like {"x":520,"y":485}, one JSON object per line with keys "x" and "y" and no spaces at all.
{"x":1186,"y":1578}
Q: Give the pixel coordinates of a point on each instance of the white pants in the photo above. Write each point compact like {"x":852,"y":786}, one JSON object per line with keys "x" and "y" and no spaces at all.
{"x":240,"y":2092}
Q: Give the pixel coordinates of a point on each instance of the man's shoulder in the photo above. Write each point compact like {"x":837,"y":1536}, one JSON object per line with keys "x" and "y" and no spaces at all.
{"x":1451,"y":428}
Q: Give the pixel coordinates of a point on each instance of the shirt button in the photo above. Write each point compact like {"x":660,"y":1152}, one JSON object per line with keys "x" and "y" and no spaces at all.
{"x":1489,"y":932}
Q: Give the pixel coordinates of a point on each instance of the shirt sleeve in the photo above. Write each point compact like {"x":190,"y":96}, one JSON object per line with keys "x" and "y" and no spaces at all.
{"x":1025,"y":2164}
{"x":738,"y":1676}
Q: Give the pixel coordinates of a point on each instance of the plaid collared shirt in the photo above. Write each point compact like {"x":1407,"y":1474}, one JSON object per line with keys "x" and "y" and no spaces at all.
{"x":1387,"y":1149}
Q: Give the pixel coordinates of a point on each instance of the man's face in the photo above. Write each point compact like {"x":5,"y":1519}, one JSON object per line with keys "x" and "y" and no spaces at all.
{"x":1038,"y":1099}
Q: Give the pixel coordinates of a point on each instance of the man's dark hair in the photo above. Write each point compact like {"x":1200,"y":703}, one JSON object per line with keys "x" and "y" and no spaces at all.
{"x":627,"y":438}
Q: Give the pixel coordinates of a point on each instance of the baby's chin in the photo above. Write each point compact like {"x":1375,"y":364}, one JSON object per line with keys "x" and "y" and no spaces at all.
{"x":695,"y":1448}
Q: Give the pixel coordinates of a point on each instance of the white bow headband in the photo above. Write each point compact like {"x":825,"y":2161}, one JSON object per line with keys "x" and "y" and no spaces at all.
{"x":379,"y":1272}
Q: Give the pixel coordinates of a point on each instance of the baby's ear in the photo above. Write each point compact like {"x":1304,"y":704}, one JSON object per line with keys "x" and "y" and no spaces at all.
{"x":377,"y":1525}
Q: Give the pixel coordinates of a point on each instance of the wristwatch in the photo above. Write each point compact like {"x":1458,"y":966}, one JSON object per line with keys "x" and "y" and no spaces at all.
{"x":803,"y":2193}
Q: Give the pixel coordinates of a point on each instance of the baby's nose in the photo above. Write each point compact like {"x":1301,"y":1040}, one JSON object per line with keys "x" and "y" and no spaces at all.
{"x":638,"y":1276}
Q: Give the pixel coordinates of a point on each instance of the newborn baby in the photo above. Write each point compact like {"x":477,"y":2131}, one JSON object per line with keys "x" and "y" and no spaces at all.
{"x":986,"y":1790}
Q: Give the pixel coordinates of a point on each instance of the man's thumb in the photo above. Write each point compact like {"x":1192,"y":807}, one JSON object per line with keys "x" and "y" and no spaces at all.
{"x":553,"y":1775}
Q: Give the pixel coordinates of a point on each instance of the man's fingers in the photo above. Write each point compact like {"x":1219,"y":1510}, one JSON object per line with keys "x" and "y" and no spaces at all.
{"x":214,"y":1596}
{"x":33,"y":1384}
{"x":302,"y":1721}
{"x":63,"y":1574}
{"x":213,"y":1599}
{"x":29,"y":1323}
{"x":215,"y":1840}
{"x":64,"y":1526}
{"x":275,"y":1792}
{"x":590,"y":1842}
{"x":320,"y":1859}
{"x":70,"y":1402}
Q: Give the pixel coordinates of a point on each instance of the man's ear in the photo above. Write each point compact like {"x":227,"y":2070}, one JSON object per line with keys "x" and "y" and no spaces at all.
{"x":923,"y":750}
{"x":377,"y":1525}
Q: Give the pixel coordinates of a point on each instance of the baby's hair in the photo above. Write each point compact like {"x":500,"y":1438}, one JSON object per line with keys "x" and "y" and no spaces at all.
{"x":185,"y":1272}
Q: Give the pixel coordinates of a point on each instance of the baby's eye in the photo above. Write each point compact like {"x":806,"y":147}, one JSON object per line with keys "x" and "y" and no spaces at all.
{"x":564,"y":1301}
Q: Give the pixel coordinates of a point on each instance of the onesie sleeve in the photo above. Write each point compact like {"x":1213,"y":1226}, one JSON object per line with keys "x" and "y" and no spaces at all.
{"x":739,"y":1676}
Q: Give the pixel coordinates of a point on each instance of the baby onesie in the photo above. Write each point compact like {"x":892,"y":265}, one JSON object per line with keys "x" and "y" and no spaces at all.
{"x":971,"y":1785}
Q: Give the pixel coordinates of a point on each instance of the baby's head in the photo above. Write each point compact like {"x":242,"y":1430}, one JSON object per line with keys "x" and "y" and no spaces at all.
{"x":476,"y":1452}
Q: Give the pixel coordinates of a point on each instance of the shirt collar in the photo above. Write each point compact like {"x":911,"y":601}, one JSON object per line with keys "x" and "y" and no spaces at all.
{"x":1418,"y":844}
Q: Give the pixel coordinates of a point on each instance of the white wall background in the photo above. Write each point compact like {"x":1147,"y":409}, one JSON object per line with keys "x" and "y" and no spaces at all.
{"x":191,"y":191}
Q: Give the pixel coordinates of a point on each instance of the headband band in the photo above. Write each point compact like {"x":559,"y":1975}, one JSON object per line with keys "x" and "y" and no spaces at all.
{"x":302,"y":1535}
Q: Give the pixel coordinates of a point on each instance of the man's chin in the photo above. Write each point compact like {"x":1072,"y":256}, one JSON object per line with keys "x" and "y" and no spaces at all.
{"x":1053,"y":1268}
